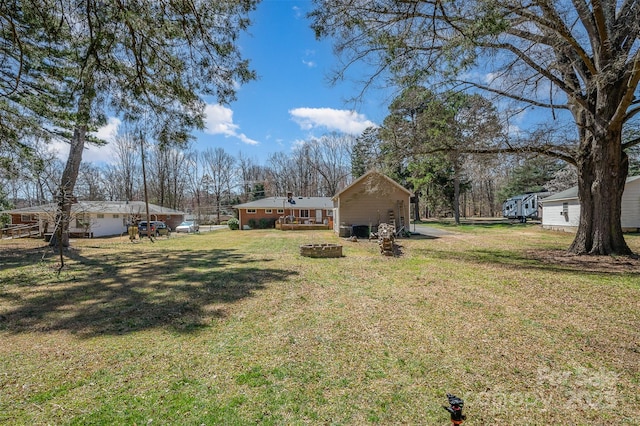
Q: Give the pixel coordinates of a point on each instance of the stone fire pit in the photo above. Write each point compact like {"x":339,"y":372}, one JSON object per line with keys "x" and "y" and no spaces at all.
{"x":321,"y":250}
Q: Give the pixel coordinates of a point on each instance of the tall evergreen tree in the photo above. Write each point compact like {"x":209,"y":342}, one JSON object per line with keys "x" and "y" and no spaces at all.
{"x":441,"y":126}
{"x":530,"y":176}
{"x":143,"y":59}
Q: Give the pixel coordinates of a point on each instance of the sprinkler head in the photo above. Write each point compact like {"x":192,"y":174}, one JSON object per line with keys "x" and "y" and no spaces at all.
{"x":455,"y":409}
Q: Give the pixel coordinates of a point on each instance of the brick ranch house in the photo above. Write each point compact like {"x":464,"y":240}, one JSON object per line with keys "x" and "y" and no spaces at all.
{"x":267,"y":212}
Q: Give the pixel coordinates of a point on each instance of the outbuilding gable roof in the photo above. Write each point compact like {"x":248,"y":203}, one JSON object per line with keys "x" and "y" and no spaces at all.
{"x":368,"y":174}
{"x":286,"y":203}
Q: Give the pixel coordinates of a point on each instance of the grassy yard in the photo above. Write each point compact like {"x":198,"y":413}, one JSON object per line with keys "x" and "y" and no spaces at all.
{"x":237,"y":328}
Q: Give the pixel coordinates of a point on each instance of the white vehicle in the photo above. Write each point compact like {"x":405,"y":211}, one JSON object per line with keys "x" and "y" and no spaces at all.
{"x":188,"y":226}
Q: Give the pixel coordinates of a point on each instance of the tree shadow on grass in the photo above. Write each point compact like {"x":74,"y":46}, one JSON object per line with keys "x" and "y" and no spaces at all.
{"x":12,"y":256}
{"x":549,"y":260}
{"x":124,"y":292}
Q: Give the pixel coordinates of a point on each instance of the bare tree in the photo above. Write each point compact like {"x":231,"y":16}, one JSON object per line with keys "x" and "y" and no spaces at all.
{"x":281,"y":176}
{"x":31,"y":179}
{"x":177,"y":182}
{"x":304,"y":179}
{"x":220,"y":170}
{"x":90,"y":183}
{"x":331,"y":158}
{"x":486,"y":174}
{"x":127,"y":167}
{"x":252,"y":176}
{"x":194,"y":183}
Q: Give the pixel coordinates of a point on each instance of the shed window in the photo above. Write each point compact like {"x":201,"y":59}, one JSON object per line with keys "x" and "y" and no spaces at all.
{"x":100,"y":215}
{"x":116,"y":216}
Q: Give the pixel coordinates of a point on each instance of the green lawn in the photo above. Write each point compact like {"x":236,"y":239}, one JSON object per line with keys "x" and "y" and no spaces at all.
{"x":237,"y":328}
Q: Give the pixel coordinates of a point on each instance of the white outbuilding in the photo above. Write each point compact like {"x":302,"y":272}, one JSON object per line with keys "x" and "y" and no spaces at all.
{"x":561,"y":211}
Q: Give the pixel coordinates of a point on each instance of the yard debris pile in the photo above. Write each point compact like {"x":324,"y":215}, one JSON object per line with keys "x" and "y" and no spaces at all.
{"x":386,"y":238}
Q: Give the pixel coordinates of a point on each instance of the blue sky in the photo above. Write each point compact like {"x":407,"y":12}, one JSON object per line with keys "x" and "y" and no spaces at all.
{"x":290,"y":102}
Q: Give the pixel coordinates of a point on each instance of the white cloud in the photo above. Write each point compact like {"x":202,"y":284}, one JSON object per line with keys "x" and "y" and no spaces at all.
{"x":219,"y":121}
{"x":93,"y":153}
{"x":341,"y":120}
{"x":307,"y":59}
{"x":109,"y":131}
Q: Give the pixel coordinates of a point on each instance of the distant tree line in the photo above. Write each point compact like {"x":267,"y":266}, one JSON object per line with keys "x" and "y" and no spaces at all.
{"x":204,"y":183}
{"x":416,"y":146}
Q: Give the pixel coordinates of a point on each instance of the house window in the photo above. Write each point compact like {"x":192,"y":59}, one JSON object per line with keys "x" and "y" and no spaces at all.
{"x":116,"y":216}
{"x":565,"y":211}
{"x":100,"y":215}
{"x":268,"y":211}
{"x":330,"y":213}
{"x":304,"y":213}
{"x":251,"y":211}
{"x":83,"y":220}
{"x":280,"y":211}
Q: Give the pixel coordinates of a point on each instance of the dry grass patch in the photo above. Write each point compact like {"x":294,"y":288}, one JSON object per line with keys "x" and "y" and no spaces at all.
{"x":238,"y":328}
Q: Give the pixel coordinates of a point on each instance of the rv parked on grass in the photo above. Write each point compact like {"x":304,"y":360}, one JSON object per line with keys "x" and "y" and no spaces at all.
{"x":524,"y":206}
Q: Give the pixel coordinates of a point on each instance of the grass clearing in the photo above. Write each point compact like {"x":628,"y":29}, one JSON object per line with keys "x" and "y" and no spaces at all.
{"x":237,"y":328}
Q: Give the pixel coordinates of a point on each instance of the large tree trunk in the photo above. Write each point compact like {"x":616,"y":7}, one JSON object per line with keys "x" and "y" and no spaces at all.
{"x":67,"y":184}
{"x":72,"y":168}
{"x":602,"y":174}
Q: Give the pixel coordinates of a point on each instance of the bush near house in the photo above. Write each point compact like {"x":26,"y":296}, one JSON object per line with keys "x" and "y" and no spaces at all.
{"x":265,"y":223}
{"x":233,"y":224}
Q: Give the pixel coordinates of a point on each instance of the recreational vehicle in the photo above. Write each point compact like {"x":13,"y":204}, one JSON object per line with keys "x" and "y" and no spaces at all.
{"x":523,"y":207}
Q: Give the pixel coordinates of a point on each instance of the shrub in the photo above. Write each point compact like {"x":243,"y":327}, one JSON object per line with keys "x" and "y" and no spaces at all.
{"x":267,"y":223}
{"x":233,"y":223}
{"x":253,"y":224}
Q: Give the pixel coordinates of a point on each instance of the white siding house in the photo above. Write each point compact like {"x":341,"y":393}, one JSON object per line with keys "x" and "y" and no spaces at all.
{"x":95,"y":218}
{"x":561,"y":211}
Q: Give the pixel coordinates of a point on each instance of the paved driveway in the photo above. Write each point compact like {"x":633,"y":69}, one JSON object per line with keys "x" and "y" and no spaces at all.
{"x":207,"y":228}
{"x":428,"y":231}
